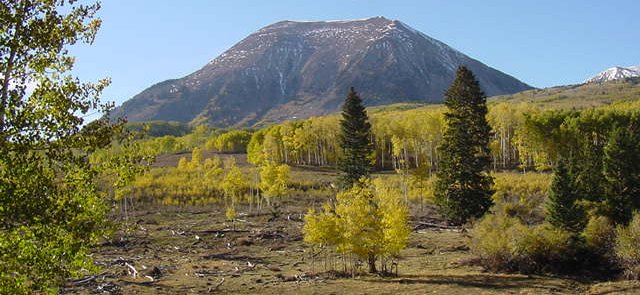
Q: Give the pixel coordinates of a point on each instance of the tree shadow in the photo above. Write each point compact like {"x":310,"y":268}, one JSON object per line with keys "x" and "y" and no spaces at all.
{"x":495,"y":282}
{"x":626,"y":290}
{"x":233,"y":256}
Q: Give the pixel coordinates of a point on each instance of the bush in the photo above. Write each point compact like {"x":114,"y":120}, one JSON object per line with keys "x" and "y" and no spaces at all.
{"x":599,"y":235}
{"x":492,"y":242}
{"x":504,"y":243}
{"x":521,"y":195}
{"x":627,"y":249}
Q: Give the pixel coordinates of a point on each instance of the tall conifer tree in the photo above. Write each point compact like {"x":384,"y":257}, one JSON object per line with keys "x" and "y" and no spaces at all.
{"x":463,"y":186}
{"x":588,"y":172}
{"x":355,"y":141}
{"x":561,"y":208}
{"x":621,"y":167}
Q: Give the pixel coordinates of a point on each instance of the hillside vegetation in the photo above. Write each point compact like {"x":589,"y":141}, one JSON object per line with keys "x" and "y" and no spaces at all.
{"x":224,"y":210}
{"x":577,"y":96}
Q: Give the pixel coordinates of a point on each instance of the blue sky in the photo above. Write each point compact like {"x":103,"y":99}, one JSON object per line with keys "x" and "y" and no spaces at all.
{"x":543,"y":43}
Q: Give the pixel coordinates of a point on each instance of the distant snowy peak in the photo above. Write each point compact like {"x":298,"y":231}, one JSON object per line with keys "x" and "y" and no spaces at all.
{"x":615,"y":73}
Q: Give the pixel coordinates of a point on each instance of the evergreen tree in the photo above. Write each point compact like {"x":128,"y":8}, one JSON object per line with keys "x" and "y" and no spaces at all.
{"x":355,"y":141}
{"x":621,"y":169}
{"x":561,"y":208}
{"x":588,"y":172}
{"x":463,"y":186}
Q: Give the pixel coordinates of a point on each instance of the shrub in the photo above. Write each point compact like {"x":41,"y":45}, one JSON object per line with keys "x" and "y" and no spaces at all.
{"x":521,"y":195}
{"x":505,"y":243}
{"x":627,"y":249}
{"x":599,"y":234}
{"x":492,"y":241}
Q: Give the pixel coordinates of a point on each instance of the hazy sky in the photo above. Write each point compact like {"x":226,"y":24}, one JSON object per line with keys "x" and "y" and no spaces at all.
{"x":542,"y":43}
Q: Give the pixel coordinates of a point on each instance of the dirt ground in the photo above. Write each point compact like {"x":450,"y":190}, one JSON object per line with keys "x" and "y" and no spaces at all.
{"x":194,"y":251}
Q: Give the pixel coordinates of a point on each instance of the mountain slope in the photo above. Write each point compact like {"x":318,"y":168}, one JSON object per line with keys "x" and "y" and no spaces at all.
{"x":615,"y":73}
{"x":577,"y":96}
{"x":301,"y":69}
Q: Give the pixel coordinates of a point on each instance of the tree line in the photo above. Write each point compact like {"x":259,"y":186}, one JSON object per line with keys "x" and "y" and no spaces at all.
{"x":525,"y":136}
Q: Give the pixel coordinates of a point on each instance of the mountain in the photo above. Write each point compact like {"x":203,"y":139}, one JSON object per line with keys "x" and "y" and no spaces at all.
{"x":299,"y":69}
{"x":615,"y":73}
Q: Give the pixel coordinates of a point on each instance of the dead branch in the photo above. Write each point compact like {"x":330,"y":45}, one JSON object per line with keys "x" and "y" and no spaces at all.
{"x":131,"y":270}
{"x":83,"y":281}
{"x":215,"y":288}
{"x":435,"y":225}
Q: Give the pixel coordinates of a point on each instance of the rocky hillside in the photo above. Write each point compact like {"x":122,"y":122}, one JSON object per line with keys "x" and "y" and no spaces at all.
{"x":300,"y":69}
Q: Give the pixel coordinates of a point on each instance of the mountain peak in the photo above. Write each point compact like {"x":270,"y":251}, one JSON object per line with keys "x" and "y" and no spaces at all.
{"x":615,"y":73}
{"x":304,"y":68}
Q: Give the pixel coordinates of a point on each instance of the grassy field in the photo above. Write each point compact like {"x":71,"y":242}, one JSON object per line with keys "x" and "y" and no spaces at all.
{"x":193,"y":250}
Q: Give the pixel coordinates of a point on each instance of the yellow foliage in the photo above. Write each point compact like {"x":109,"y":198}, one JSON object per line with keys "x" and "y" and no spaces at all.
{"x":230,"y":213}
{"x":599,"y":233}
{"x":369,"y":220}
{"x":626,"y":248}
{"x":189,"y":184}
{"x":521,"y":195}
{"x":183,"y":164}
{"x":196,"y":158}
{"x":321,"y":229}
{"x":504,"y":243}
{"x":234,"y":182}
{"x":274,"y":179}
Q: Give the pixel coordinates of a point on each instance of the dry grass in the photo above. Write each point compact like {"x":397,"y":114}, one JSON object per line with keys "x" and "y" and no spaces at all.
{"x":190,"y":250}
{"x":269,"y":257}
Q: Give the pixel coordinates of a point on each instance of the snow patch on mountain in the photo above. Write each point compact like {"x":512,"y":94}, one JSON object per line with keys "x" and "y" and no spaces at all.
{"x":615,"y":73}
{"x":302,"y":69}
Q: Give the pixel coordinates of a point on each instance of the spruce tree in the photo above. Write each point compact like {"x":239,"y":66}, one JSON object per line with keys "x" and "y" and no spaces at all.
{"x":463,"y":186}
{"x":355,"y":141}
{"x":561,"y":208}
{"x":621,"y":169}
{"x":588,"y":172}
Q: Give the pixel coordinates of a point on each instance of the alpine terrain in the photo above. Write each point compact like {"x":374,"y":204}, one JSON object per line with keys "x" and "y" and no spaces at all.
{"x":292,"y":70}
{"x":615,"y":73}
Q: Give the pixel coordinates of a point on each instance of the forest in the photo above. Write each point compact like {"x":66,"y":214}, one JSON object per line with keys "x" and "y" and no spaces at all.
{"x":563,"y":197}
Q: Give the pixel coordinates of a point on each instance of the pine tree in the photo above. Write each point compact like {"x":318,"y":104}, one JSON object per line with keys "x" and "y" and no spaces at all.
{"x":355,"y":141}
{"x":621,"y":169}
{"x":588,"y":172}
{"x":463,"y":186}
{"x":561,"y":208}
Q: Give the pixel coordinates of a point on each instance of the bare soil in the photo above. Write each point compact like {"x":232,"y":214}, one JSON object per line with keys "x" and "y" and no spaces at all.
{"x":193,"y":250}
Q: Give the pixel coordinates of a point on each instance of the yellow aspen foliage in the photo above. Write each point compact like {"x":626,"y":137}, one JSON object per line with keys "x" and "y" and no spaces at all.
{"x":212,"y":167}
{"x":183,"y":164}
{"x":231,"y":213}
{"x":322,"y":229}
{"x":233,"y":183}
{"x":368,"y":220}
{"x":394,"y":217}
{"x":196,"y":158}
{"x":274,"y":179}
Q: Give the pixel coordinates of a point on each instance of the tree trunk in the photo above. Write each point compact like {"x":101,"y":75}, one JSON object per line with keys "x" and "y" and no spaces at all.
{"x":372,"y":263}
